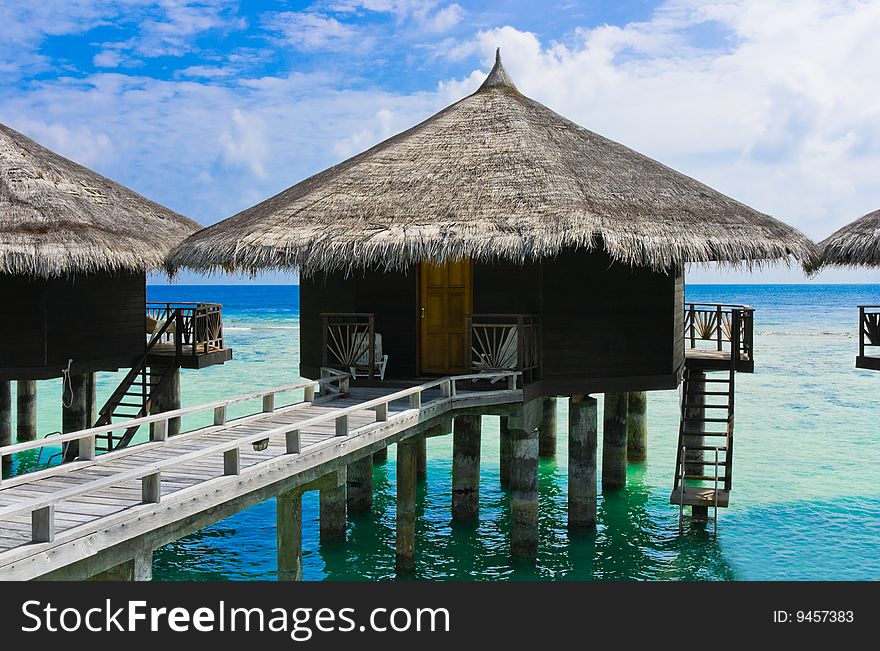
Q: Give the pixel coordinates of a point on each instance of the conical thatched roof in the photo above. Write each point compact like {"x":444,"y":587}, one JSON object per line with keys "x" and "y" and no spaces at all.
{"x":59,"y":218}
{"x":494,"y":176}
{"x":856,"y":244}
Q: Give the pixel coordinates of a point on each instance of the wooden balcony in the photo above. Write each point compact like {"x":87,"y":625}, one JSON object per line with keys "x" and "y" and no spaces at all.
{"x":506,"y":342}
{"x":869,"y":337}
{"x":190,"y":334}
{"x":717,"y":334}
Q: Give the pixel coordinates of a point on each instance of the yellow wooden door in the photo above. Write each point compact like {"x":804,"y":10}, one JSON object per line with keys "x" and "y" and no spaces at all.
{"x":445,"y":301}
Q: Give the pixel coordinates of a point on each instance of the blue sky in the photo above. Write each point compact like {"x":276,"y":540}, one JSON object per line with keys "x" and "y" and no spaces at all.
{"x":211,"y":106}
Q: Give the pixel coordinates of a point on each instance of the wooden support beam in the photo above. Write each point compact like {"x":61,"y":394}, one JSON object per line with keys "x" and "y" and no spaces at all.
{"x":415,"y":400}
{"x":637,"y":427}
{"x":288,"y":518}
{"x":232,"y":462}
{"x":614,"y":441}
{"x":406,"y":505}
{"x":87,"y":449}
{"x":43,"y":524}
{"x":220,"y":415}
{"x":422,"y":457}
{"x":359,"y":496}
{"x":505,"y":451}
{"x":523,"y":425}
{"x":168,"y":399}
{"x":547,"y":430}
{"x":151,"y":488}
{"x":380,"y":455}
{"x":382,"y":412}
{"x":143,"y":566}
{"x":332,"y":511}
{"x":6,"y":420}
{"x":582,"y":444}
{"x":75,"y":410}
{"x":159,"y":430}
{"x":26,"y":410}
{"x":342,"y":426}
{"x":268,"y":403}
{"x":466,"y":468}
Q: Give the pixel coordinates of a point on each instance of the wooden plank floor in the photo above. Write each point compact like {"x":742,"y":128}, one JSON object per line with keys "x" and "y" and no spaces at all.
{"x":98,"y":505}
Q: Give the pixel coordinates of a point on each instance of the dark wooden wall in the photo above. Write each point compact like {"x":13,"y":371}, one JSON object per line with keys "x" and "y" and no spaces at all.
{"x":97,"y":320}
{"x":391,"y":296}
{"x":605,"y":327}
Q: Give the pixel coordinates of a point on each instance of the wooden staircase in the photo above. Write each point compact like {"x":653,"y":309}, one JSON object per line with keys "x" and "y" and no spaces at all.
{"x":704,"y":462}
{"x":133,"y":397}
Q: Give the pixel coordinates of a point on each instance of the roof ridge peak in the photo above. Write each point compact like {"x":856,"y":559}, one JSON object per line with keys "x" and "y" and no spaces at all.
{"x":498,"y":77}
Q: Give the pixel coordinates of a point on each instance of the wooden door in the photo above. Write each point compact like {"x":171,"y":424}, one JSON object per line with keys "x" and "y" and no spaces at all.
{"x":445,"y":302}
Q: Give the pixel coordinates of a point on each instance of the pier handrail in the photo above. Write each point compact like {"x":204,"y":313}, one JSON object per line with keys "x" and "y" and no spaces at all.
{"x":167,"y":415}
{"x":721,"y":323}
{"x":869,"y":327}
{"x":150,"y":474}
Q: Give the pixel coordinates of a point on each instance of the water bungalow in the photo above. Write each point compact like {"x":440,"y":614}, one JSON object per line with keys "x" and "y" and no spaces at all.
{"x":75,"y":248}
{"x":485,"y":262}
{"x":858,"y":244}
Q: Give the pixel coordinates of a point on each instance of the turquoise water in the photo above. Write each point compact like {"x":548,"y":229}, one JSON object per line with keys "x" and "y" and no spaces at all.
{"x":805,"y":502}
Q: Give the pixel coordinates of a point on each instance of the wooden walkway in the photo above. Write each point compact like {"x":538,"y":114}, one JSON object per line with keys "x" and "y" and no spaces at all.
{"x":81,"y":518}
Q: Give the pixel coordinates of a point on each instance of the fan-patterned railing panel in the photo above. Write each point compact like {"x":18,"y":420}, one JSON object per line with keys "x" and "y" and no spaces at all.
{"x":505,"y":342}
{"x":869,"y":329}
{"x":197,"y":326}
{"x":720,"y":326}
{"x":349,"y":340}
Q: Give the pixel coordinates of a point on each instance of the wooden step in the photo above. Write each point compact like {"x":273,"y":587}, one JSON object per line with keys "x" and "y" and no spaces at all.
{"x":687,"y":433}
{"x":706,"y":420}
{"x":721,"y":478}
{"x":711,"y":393}
{"x":695,"y":406}
{"x":714,"y":380}
{"x":699,"y":496}
{"x":707,"y":448}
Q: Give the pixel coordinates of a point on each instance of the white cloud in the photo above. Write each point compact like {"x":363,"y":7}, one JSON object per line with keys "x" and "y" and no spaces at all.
{"x":312,"y":31}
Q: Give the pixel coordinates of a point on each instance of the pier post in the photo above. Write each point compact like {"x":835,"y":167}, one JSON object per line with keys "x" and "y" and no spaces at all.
{"x":168,"y":399}
{"x":406,"y":504}
{"x":380,"y":456}
{"x":523,"y":426}
{"x":614,"y":441}
{"x":583,"y":428}
{"x":332,"y":511}
{"x":75,"y":417}
{"x":637,"y":427}
{"x":142,"y":566}
{"x":466,"y":468}
{"x":360,"y":485}
{"x":421,"y":458}
{"x":6,"y":420}
{"x":505,"y":448}
{"x":288,"y":526}
{"x":26,"y":410}
{"x":547,"y":430}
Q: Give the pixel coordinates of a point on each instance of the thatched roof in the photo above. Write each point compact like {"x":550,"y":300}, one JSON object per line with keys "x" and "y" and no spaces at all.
{"x":856,"y":244}
{"x":494,"y":176}
{"x":59,"y":218}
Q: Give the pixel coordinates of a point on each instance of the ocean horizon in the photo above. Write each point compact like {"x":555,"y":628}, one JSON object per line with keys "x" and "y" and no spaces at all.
{"x":805,"y":503}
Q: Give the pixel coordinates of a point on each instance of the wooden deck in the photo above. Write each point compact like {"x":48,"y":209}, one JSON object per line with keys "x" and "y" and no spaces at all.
{"x":165,"y":352}
{"x":869,"y":362}
{"x":93,"y":513}
{"x":716,"y":360}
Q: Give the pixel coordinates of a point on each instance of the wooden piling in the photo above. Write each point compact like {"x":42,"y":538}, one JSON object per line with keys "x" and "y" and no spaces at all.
{"x":695,"y":412}
{"x":505,"y":449}
{"x":6,"y":420}
{"x":142,"y":566}
{"x":523,"y":427}
{"x":288,"y":519}
{"x":582,"y":445}
{"x":421,"y":458}
{"x":359,"y":494}
{"x":614,"y":441}
{"x":76,"y":409}
{"x":547,"y":430}
{"x":168,"y":399}
{"x":332,"y":511}
{"x":637,"y":427}
{"x":466,"y":468}
{"x":380,"y":456}
{"x":26,"y":410}
{"x":406,"y":504}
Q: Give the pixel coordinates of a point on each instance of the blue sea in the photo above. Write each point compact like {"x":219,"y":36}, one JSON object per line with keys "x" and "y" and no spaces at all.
{"x":805,"y":501}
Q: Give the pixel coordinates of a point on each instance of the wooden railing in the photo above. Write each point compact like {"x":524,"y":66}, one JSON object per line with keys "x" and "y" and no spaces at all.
{"x":722,"y":327}
{"x":42,"y":509}
{"x":505,"y":342}
{"x":869,"y":327}
{"x":196,"y":328}
{"x":349,"y":341}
